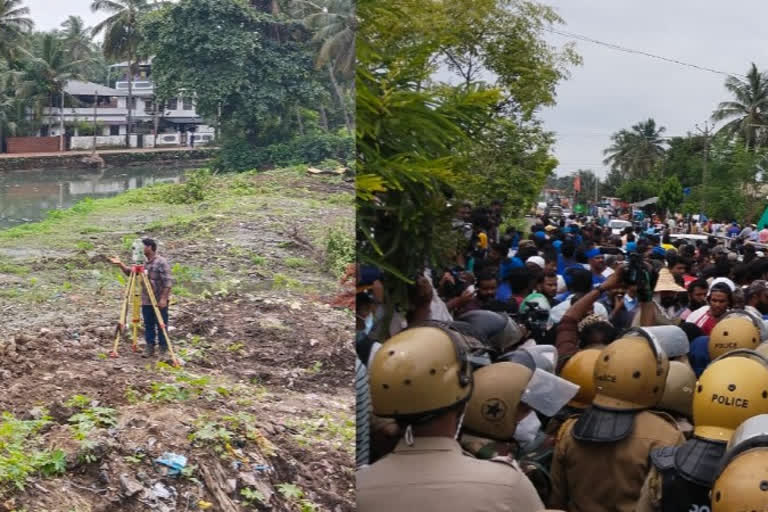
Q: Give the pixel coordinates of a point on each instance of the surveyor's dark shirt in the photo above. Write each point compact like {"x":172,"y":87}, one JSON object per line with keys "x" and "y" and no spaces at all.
{"x":159,"y":273}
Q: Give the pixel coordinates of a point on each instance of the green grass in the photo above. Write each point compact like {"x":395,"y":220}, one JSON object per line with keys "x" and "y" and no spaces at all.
{"x":339,"y":249}
{"x":281,"y":281}
{"x":325,"y":428}
{"x":258,"y":260}
{"x":23,"y":454}
{"x":221,"y":432}
{"x":12,"y":268}
{"x":297,"y":262}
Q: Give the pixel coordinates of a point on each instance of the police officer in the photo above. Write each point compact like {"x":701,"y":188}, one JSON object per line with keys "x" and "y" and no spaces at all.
{"x":601,"y":458}
{"x":731,"y":389}
{"x":579,"y":370}
{"x":677,"y":399}
{"x":742,"y":482}
{"x":422,"y":378}
{"x":505,"y":394}
{"x":731,"y":333}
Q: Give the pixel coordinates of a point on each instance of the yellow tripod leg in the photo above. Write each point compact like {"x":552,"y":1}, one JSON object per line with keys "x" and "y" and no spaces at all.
{"x":123,"y":313}
{"x":159,"y":318}
{"x":136,"y":313}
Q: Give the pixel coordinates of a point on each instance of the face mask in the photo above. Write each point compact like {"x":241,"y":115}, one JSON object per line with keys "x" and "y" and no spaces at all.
{"x":526,"y":430}
{"x":629,"y":302}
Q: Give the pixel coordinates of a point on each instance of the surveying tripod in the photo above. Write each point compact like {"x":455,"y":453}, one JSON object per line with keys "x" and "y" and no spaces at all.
{"x":136,"y":280}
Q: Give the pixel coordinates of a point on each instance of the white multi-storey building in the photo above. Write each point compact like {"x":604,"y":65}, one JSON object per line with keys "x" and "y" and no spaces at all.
{"x":107,"y":107}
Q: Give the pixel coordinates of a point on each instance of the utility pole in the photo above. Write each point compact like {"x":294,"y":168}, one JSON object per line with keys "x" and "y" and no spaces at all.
{"x":61,"y":121}
{"x":597,"y":185}
{"x":707,"y":133}
{"x":95,"y":113}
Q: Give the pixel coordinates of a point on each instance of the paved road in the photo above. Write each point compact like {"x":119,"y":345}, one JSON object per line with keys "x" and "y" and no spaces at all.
{"x":102,"y":152}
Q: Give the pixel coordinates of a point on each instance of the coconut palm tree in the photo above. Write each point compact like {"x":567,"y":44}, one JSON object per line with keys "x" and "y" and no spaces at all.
{"x":14,"y":21}
{"x":333,"y":23}
{"x":122,"y":37}
{"x":46,"y":75}
{"x":8,"y":105}
{"x":749,"y":110}
{"x":77,"y":37}
{"x":635,"y":152}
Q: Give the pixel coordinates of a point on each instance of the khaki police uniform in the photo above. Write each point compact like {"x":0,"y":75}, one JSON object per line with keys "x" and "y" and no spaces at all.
{"x":434,"y":475}
{"x":594,"y":477}
{"x":731,"y":390}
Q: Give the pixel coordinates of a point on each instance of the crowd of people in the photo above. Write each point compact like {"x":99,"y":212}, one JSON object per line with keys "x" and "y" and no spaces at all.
{"x":569,"y":367}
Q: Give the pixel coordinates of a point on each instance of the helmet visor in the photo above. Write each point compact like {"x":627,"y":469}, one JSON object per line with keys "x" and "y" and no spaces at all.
{"x":548,"y":393}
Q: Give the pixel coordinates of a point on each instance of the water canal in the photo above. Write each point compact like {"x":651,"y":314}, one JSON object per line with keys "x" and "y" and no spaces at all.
{"x":26,"y":196}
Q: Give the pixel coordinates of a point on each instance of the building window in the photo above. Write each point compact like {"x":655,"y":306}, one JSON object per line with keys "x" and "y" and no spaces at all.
{"x":187,"y":104}
{"x":114,"y":129}
{"x":173,"y":104}
{"x":148,"y":105}
{"x":132,"y":103}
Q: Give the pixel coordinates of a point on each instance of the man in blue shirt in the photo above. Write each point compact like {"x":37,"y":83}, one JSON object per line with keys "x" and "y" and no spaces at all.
{"x":596,"y":262}
{"x":733,"y":230}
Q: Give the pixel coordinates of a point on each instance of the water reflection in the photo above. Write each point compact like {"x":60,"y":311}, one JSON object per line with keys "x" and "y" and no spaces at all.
{"x":26,"y":196}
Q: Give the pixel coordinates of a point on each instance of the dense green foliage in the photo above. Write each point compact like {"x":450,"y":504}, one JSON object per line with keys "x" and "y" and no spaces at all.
{"x":422,"y":142}
{"x":274,"y":92}
{"x":238,"y":155}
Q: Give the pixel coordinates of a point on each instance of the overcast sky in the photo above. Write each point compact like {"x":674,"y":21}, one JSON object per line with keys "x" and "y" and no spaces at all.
{"x":614,"y":90}
{"x":49,"y":14}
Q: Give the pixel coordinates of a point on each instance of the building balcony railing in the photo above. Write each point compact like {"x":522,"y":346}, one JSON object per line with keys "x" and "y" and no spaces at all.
{"x":86,"y":111}
{"x":138,"y":85}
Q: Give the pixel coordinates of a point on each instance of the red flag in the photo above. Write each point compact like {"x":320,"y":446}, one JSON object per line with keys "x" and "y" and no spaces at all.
{"x":577,"y":183}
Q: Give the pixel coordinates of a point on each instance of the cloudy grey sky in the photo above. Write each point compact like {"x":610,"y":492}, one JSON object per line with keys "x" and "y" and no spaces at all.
{"x":614,"y":90}
{"x":49,"y":14}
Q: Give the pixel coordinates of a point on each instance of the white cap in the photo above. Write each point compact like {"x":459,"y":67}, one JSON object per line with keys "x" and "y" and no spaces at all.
{"x":536,"y":260}
{"x":725,"y":280}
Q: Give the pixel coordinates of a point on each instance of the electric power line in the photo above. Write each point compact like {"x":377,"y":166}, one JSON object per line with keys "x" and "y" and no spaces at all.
{"x":639,"y":52}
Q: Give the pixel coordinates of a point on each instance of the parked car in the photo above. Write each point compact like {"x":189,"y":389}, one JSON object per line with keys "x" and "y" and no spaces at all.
{"x":554,"y":212}
{"x":688,"y":236}
{"x":617,"y":226}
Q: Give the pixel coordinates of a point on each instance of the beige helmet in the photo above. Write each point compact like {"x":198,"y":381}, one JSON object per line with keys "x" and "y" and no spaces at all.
{"x":492,"y":410}
{"x":732,"y":388}
{"x":678,"y":390}
{"x":742,"y":481}
{"x":732,"y":333}
{"x":580,"y":369}
{"x":419,"y":371}
{"x":630,"y":374}
{"x":743,"y":484}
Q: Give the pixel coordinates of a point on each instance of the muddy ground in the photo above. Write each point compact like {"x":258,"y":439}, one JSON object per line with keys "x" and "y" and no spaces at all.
{"x":262,"y":406}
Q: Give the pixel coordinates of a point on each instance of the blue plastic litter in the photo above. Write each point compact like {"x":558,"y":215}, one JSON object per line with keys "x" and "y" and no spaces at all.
{"x":173,"y":461}
{"x":261,"y":467}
